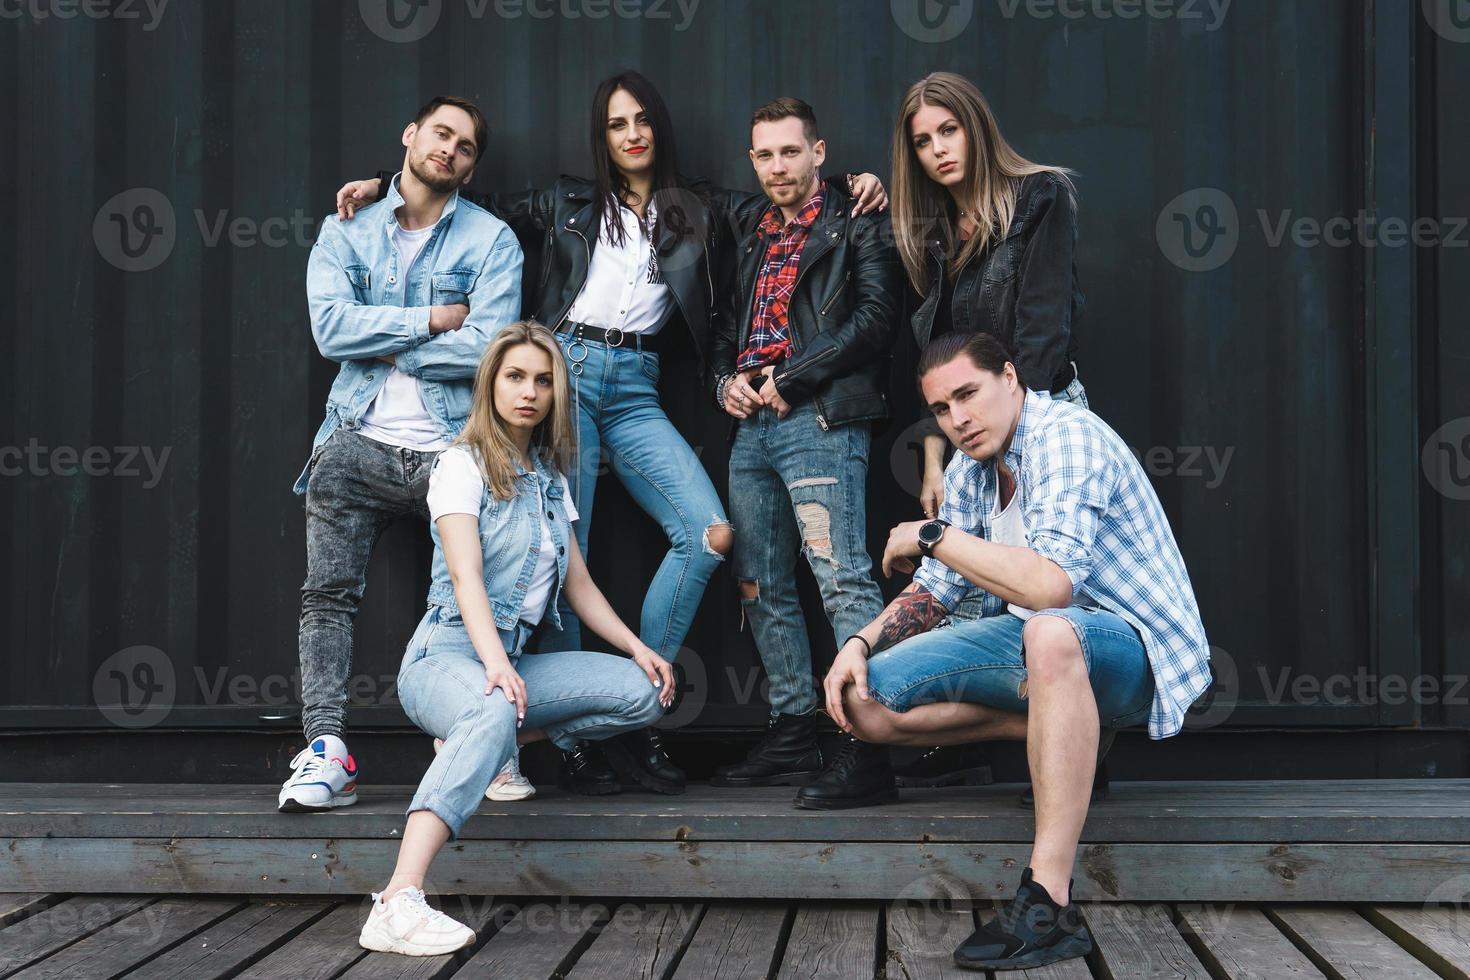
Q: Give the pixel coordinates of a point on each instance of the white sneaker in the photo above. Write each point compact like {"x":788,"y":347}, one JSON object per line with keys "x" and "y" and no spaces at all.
{"x":407,"y":924}
{"x":508,"y":785}
{"x":323,"y":776}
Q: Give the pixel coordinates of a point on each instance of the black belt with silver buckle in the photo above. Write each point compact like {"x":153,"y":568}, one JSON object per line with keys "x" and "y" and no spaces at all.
{"x":612,"y":337}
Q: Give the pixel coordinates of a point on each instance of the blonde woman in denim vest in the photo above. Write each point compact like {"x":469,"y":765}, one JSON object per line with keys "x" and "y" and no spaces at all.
{"x":504,"y":552}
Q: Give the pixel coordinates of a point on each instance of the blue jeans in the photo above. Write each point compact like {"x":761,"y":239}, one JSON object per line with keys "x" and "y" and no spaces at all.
{"x":1074,"y":393}
{"x":981,"y":661}
{"x":357,"y":487}
{"x":619,"y":417}
{"x":796,"y":487}
{"x":571,"y":696}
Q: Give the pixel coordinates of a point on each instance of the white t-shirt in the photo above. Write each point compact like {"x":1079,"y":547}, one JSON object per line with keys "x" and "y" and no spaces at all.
{"x":624,"y":287}
{"x":398,"y":415}
{"x":1009,"y":528}
{"x":456,"y":487}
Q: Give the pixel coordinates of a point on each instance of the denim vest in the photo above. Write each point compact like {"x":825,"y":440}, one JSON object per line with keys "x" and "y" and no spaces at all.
{"x":510,"y":543}
{"x":363,"y":305}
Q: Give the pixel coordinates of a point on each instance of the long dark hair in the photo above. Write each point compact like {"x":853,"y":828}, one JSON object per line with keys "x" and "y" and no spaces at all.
{"x":611,"y":184}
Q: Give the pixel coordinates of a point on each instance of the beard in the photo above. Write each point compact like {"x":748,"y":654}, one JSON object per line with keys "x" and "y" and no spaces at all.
{"x":431,"y":176}
{"x":795,"y":186}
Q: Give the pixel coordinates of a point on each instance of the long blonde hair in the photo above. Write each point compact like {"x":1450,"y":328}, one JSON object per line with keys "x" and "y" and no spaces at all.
{"x":485,"y":432}
{"x":993,"y":172}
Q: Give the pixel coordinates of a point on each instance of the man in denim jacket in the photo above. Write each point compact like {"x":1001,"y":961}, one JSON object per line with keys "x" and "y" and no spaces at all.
{"x":405,"y":298}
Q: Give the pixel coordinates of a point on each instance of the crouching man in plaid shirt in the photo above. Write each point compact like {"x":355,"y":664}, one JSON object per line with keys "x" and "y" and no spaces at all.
{"x":1090,"y":621}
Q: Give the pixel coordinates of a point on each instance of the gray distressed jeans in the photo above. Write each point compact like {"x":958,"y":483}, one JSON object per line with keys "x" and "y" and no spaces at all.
{"x":358,"y":486}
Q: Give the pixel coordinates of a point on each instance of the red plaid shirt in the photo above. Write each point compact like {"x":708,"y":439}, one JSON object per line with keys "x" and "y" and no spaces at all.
{"x":770,"y":336}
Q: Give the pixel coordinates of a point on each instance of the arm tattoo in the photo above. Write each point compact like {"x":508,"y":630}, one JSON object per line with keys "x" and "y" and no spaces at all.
{"x":912,"y":613}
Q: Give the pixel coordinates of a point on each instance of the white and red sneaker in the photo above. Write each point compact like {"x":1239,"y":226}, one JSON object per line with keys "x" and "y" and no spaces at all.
{"x":323,"y":776}
{"x":407,"y":924}
{"x":508,"y":785}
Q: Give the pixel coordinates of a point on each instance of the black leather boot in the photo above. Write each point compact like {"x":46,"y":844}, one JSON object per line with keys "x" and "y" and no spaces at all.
{"x":1099,"y":777}
{"x":638,"y":759}
{"x":859,"y":775}
{"x":787,"y":755}
{"x":948,"y":765}
{"x":585,"y":771}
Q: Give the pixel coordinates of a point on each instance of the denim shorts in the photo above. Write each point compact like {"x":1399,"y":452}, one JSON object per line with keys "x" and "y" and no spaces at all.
{"x":981,"y":661}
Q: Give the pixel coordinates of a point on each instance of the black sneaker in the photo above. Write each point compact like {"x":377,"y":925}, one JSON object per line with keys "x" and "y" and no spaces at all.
{"x":947,"y":765}
{"x":1099,"y":776}
{"x":585,"y":771}
{"x":859,"y":775}
{"x":786,"y":756}
{"x":1032,"y":930}
{"x":638,"y":759}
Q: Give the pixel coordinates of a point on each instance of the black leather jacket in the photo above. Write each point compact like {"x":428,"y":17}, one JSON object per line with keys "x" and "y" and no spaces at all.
{"x":843,"y":314}
{"x":558,"y":220}
{"x":1024,"y":291}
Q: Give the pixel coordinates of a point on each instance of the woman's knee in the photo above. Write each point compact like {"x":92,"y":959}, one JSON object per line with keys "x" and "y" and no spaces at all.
{"x":491,"y":718}
{"x":645,"y":709}
{"x":719,"y":539}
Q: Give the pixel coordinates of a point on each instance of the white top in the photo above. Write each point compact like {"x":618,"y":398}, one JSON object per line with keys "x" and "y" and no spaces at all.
{"x":398,"y":415}
{"x":1009,"y":528}
{"x":456,"y":487}
{"x":625,"y":288}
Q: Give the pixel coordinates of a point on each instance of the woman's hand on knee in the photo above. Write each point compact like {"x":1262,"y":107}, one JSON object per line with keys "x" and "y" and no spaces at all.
{"x":850,"y":667}
{"x":660,"y":672}
{"x":504,"y":677}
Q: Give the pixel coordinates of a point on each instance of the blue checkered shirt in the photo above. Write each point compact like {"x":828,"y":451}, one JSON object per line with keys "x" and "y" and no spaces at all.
{"x":1089,"y":508}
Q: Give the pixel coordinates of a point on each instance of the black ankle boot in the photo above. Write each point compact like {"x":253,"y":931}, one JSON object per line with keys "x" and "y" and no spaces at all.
{"x":948,"y":765}
{"x":585,"y":771}
{"x":638,"y":759}
{"x":786,"y":756}
{"x":1099,"y":777}
{"x":859,"y":775}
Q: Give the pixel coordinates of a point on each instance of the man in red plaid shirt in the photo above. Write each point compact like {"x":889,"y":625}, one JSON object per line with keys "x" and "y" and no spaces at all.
{"x":802,"y":362}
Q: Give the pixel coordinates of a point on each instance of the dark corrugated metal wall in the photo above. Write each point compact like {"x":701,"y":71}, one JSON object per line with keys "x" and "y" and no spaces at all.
{"x":1251,"y":388}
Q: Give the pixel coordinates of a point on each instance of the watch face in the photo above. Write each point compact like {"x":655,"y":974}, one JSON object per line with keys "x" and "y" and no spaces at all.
{"x":930,"y":532}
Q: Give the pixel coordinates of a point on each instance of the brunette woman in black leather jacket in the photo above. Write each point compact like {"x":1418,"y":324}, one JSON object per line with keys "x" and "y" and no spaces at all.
{"x":987,"y":239}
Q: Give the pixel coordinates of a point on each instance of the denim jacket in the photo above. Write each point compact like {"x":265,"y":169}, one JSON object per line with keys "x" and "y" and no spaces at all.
{"x":510,"y":543}
{"x":363,"y":305}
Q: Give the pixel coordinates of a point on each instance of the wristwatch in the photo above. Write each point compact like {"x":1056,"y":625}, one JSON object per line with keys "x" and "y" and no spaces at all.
{"x":930,"y":534}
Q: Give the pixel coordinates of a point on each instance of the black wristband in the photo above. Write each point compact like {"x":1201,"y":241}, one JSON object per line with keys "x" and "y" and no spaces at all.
{"x":864,"y":642}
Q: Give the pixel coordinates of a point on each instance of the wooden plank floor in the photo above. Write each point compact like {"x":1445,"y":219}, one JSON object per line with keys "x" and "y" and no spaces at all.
{"x":1389,"y":841}
{"x":194,"y":937}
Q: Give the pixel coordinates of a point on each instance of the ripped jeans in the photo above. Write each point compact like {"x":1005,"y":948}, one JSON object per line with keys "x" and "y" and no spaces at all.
{"x":798,"y":488}
{"x":621,"y":425}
